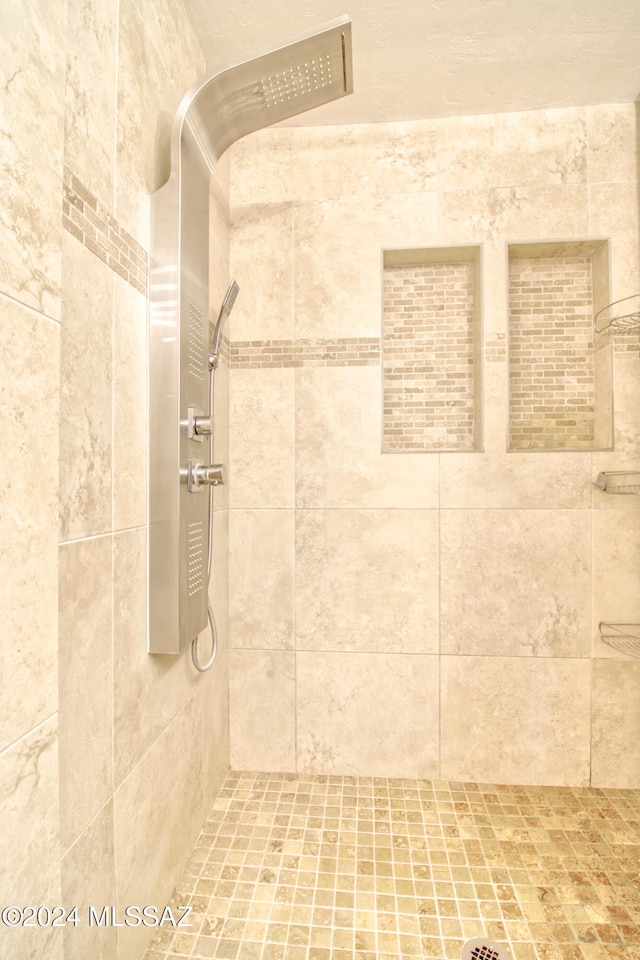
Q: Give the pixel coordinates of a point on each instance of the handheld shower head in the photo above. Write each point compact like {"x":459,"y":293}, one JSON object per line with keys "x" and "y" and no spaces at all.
{"x":227,"y":306}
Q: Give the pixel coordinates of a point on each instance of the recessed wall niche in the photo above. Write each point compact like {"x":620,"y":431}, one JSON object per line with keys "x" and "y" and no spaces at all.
{"x":430,"y":350}
{"x":560,"y":377}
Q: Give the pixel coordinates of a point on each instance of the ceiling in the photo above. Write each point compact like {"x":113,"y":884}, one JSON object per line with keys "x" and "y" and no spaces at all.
{"x":417,"y":59}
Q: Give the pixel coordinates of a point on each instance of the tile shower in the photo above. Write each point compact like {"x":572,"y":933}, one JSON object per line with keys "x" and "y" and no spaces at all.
{"x":404,"y":629}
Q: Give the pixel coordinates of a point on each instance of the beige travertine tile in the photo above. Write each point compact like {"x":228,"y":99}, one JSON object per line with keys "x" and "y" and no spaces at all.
{"x":261,"y":438}
{"x":338,"y":254}
{"x":149,"y":854}
{"x":515,"y":582}
{"x":86,"y":683}
{"x":29,"y":346}
{"x":86,"y":383}
{"x":486,"y":481}
{"x":172,"y":35}
{"x":367,"y":714}
{"x":616,"y":562}
{"x":29,"y":839}
{"x":522,"y":212}
{"x":219,"y":270}
{"x":130,"y":413}
{"x":616,"y":724}
{"x":32,"y":53}
{"x":626,"y":454}
{"x":515,"y":720}
{"x":366,"y":580}
{"x":512,"y":149}
{"x":262,"y":167}
{"x":219,"y":580}
{"x":611,"y":133}
{"x":88,"y":880}
{"x":264,"y":308}
{"x":350,"y":160}
{"x":213,"y":695}
{"x":339,"y":462}
{"x":262,"y":709}
{"x":147,"y":101}
{"x":90,"y":104}
{"x":613,"y":212}
{"x":262,"y":578}
{"x":148,"y":690}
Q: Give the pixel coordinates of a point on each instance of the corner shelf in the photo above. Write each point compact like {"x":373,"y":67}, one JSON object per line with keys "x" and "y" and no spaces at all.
{"x":624,"y":637}
{"x":619,"y":481}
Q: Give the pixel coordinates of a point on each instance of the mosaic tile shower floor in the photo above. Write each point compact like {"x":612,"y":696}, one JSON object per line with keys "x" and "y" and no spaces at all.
{"x":328,"y":868}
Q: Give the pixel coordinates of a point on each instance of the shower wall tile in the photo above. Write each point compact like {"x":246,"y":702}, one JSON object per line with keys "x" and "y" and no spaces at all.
{"x":261,"y":438}
{"x":86,"y":364}
{"x":338,"y":258}
{"x":32,"y":53}
{"x":262,"y":578}
{"x":86,"y":683}
{"x":340,"y":731}
{"x":29,"y":847}
{"x":219,"y":580}
{"x":130,"y":415}
{"x":262,"y":705}
{"x":540,"y":147}
{"x":526,"y":583}
{"x":262,"y":167}
{"x":616,"y":562}
{"x":148,"y":690}
{"x":90,"y":103}
{"x":626,"y":452}
{"x":525,"y":212}
{"x":88,"y":880}
{"x":373,"y":159}
{"x":213,"y":697}
{"x":615,"y":761}
{"x":490,"y":481}
{"x":156,"y":829}
{"x":611,"y":139}
{"x":339,"y":460}
{"x":520,"y":720}
{"x":171,"y":34}
{"x":146,"y":104}
{"x":613,"y":212}
{"x":29,"y":346}
{"x":366,"y":581}
{"x":219,"y":219}
{"x":261,"y":260}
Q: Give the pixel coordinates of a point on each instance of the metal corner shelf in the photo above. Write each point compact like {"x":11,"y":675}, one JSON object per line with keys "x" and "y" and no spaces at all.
{"x":624,"y":637}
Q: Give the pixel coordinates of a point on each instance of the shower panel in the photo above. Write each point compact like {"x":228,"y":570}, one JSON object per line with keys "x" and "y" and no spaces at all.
{"x":220,"y":108}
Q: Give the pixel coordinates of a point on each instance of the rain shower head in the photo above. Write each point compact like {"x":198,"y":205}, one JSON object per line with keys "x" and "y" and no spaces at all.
{"x":280,"y":82}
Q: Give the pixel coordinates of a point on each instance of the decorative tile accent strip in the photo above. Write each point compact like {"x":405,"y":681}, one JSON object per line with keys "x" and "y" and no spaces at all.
{"x":345,"y":352}
{"x":302,"y":867}
{"x":428,"y":346}
{"x":496,"y":350}
{"x":85,"y":217}
{"x":551,"y":354}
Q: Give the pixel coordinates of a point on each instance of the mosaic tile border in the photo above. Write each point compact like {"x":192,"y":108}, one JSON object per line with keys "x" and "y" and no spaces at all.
{"x":342,"y":352}
{"x":303,"y":867}
{"x":89,"y":222}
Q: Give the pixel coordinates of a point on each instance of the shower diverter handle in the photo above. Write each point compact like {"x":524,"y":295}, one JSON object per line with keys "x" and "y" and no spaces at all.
{"x":199,"y":474}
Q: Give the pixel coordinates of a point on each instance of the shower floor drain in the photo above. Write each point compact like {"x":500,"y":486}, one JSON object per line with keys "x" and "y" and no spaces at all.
{"x":482,"y":949}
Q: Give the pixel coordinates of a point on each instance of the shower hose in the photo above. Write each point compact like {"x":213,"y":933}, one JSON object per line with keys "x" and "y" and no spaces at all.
{"x":195,"y":657}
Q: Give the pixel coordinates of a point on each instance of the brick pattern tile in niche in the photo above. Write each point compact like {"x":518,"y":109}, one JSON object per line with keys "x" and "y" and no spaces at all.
{"x":84,"y":216}
{"x":551,"y":362}
{"x":336,"y":868}
{"x":428,"y":347}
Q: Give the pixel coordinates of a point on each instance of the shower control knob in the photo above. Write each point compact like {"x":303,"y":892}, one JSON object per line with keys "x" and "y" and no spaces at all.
{"x":200,"y":475}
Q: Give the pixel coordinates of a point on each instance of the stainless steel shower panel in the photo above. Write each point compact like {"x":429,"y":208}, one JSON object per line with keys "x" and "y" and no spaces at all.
{"x":219,"y":109}
{"x":178,"y":381}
